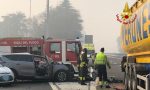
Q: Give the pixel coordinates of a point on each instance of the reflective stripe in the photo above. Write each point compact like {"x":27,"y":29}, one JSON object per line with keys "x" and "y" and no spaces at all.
{"x":101,"y":83}
{"x":105,"y":83}
{"x":82,"y":64}
{"x":82,"y":78}
{"x":100,"y":62}
{"x":81,"y":57}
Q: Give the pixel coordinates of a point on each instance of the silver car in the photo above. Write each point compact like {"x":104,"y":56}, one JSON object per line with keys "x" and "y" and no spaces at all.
{"x":29,"y":66}
{"x":6,"y":75}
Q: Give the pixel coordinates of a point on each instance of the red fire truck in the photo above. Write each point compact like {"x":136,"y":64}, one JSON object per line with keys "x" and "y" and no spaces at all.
{"x":65,"y":51}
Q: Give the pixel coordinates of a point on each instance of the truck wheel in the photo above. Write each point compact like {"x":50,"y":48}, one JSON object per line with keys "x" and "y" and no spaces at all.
{"x":61,"y":76}
{"x":123,"y":62}
{"x":126,"y":78}
{"x":130,"y":78}
{"x":134,"y":79}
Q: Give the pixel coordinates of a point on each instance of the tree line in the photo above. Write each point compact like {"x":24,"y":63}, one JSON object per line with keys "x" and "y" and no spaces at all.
{"x":64,"y":22}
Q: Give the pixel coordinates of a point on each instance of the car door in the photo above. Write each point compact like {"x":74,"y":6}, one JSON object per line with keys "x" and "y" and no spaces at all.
{"x":55,"y":51}
{"x":23,"y":64}
{"x":26,"y":65}
{"x":50,"y":67}
{"x":72,"y":51}
{"x":42,"y":66}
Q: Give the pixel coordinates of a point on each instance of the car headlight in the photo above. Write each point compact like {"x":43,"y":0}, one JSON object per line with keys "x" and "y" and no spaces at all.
{"x":6,"y":78}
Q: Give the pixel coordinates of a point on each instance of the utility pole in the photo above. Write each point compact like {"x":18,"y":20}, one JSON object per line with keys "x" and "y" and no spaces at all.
{"x":47,"y":9}
{"x":30,"y":8}
{"x":47,"y":29}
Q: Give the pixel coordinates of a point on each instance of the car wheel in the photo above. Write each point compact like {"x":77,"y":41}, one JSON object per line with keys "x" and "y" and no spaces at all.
{"x":61,"y":76}
{"x":10,"y":84}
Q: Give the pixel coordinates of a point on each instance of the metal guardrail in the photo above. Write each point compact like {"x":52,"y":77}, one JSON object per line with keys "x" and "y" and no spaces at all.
{"x":146,"y":79}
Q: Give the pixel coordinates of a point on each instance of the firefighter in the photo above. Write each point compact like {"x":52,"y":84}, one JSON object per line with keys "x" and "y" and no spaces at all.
{"x":83,"y":66}
{"x":100,"y":65}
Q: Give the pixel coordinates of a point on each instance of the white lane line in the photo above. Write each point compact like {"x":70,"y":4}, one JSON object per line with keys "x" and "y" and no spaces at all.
{"x":72,"y":86}
{"x":53,"y":86}
{"x":115,"y":58}
{"x":92,"y":86}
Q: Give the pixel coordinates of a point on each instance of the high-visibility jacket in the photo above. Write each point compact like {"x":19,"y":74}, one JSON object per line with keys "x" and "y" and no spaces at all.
{"x":101,"y":59}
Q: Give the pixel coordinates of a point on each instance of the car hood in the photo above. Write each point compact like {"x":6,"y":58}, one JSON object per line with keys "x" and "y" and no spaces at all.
{"x":5,"y":70}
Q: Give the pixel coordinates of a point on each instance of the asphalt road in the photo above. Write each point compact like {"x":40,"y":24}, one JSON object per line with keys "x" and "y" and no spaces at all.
{"x":58,"y":86}
{"x":27,"y":85}
{"x":114,"y":73}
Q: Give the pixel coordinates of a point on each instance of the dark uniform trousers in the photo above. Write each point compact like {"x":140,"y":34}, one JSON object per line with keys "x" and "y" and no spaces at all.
{"x":82,"y":71}
{"x":102,"y":73}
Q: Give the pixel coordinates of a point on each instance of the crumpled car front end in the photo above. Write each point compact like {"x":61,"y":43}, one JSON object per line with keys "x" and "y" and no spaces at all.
{"x":6,"y":75}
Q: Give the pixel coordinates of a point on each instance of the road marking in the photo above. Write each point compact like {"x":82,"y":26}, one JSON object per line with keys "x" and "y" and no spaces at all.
{"x":89,"y":85}
{"x":92,"y":85}
{"x":72,"y":86}
{"x":114,"y":57}
{"x":54,"y":87}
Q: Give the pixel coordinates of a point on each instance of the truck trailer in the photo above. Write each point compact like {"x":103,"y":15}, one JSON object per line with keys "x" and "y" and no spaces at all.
{"x":135,"y":41}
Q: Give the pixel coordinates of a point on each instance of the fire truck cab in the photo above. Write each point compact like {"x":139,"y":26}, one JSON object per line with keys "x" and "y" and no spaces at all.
{"x":62,"y":50}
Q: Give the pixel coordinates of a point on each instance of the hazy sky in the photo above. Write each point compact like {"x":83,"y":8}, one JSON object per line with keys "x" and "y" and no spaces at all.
{"x":99,"y":16}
